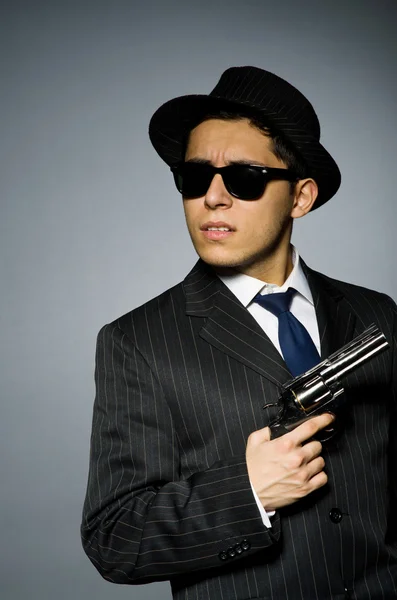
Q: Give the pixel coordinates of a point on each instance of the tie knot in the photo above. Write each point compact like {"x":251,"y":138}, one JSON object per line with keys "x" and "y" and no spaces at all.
{"x":276,"y":303}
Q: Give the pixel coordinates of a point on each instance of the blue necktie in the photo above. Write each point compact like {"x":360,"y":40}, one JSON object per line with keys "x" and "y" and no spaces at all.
{"x":297,"y":347}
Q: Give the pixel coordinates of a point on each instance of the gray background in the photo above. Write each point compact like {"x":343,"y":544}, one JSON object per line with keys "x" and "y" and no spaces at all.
{"x":91,"y":225}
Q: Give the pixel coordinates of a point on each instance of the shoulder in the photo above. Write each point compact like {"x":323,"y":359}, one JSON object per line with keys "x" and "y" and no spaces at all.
{"x":355,"y":293}
{"x":151,"y":315}
{"x":370,"y":306}
{"x":169,"y":314}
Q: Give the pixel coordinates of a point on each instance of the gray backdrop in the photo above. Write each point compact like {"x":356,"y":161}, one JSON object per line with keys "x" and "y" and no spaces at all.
{"x":91,"y":225}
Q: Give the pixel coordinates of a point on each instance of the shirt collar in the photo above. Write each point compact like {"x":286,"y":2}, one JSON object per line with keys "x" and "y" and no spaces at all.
{"x":245,"y":288}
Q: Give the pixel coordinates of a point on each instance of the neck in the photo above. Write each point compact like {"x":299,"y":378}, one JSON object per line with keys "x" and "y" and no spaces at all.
{"x":275,"y":269}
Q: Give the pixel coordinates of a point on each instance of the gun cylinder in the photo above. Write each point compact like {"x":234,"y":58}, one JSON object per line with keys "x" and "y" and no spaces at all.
{"x":312,"y":394}
{"x":318,"y":388}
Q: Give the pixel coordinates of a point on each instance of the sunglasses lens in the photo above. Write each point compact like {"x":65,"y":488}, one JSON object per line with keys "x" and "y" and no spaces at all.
{"x":241,"y":181}
{"x":192,"y":179}
{"x":245,"y":182}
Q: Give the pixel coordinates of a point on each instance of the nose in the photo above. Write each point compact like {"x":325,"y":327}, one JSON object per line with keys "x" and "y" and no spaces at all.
{"x":217,"y":195}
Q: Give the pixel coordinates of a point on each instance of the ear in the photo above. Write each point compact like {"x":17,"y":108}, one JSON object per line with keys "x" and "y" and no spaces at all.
{"x":305,"y":194}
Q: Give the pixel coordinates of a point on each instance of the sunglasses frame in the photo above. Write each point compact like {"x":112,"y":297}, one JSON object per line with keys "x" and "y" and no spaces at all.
{"x":271,"y":173}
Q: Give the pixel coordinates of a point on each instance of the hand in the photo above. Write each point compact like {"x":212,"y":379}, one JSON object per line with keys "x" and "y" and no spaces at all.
{"x":286,"y":469}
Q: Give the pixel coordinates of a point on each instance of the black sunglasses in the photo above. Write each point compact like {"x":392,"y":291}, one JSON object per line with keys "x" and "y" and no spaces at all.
{"x":246,"y":182}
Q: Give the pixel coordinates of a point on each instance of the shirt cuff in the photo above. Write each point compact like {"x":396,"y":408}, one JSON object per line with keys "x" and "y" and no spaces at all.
{"x":264,"y":514}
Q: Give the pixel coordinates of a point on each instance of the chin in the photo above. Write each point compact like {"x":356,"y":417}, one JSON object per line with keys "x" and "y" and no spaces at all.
{"x":217,"y":259}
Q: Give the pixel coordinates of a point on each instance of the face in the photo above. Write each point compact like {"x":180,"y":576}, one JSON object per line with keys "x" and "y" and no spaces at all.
{"x":259,"y":230}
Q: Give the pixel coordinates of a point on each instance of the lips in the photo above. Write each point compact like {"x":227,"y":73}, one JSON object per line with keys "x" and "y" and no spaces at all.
{"x":216,"y":225}
{"x":217,"y":230}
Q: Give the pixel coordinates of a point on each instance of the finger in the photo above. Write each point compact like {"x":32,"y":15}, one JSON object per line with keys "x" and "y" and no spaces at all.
{"x":259,"y":436}
{"x":314,"y":467}
{"x":311,"y":427}
{"x":312,"y":450}
{"x":331,"y":429}
{"x":318,"y":481}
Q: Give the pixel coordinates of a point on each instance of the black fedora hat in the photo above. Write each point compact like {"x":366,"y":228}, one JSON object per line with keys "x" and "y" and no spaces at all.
{"x":287,"y":109}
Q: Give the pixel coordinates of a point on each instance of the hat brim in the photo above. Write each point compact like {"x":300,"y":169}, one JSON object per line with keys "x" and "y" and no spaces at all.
{"x":172,"y":122}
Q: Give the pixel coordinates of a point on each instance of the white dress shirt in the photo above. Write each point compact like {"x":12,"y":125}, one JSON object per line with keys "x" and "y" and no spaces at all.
{"x":245,"y":288}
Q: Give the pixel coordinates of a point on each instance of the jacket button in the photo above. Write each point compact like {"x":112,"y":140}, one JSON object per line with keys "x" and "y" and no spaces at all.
{"x":231,"y":552}
{"x":238,"y":548}
{"x":223,"y":555}
{"x":245,"y":545}
{"x":335,"y":515}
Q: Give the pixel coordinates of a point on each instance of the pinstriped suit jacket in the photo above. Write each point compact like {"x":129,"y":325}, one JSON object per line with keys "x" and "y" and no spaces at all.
{"x":181,"y":383}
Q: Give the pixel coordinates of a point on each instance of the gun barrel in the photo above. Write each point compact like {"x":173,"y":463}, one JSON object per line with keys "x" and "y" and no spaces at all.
{"x":370,"y":343}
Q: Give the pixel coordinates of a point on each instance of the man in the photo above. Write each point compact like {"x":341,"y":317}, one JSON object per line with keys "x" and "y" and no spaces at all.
{"x":185,"y":483}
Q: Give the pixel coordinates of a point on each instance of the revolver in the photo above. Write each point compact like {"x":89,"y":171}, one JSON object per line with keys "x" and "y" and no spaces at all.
{"x":320,"y":389}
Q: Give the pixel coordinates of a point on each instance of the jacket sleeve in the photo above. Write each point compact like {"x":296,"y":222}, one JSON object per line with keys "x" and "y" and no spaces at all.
{"x":141,"y":521}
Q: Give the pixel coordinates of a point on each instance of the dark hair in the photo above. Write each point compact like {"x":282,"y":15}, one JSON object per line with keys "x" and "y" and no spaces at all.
{"x":282,"y":148}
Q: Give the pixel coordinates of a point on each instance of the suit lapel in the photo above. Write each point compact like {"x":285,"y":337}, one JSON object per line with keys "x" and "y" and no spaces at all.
{"x":336,"y":321}
{"x":229,"y":327}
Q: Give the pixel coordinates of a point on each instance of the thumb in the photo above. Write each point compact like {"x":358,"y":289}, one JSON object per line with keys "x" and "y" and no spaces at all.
{"x":259,"y":436}
{"x":266,"y":434}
